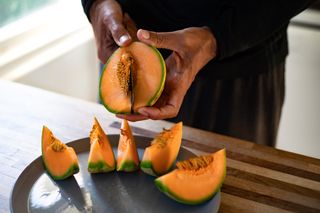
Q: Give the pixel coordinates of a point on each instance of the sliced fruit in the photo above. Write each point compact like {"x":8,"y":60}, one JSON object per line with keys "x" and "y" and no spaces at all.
{"x":59,"y":160}
{"x":135,"y":73}
{"x":159,"y":158}
{"x":101,"y":157}
{"x":128,"y":158}
{"x":195,"y":180}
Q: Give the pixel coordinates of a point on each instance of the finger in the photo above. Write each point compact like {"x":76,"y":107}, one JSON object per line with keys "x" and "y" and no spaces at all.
{"x":130,"y":26}
{"x":154,"y":113}
{"x":132,"y":117}
{"x":119,"y":33}
{"x":105,"y":50}
{"x":166,"y":40}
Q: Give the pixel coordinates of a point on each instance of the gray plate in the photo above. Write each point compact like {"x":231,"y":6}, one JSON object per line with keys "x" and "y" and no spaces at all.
{"x":35,"y":191}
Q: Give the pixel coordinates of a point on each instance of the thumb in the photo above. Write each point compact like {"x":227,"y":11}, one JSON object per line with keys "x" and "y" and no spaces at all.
{"x":119,"y":33}
{"x":165,"y":40}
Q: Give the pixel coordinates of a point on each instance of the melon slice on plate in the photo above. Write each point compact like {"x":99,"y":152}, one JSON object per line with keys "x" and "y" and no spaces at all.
{"x":195,"y":180}
{"x":128,"y":158}
{"x":59,"y":160}
{"x":133,"y":77}
{"x":159,"y":158}
{"x":101,"y":156}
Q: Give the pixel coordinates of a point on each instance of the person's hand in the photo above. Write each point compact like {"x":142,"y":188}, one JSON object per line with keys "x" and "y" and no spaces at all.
{"x":192,"y":49}
{"x":111,"y":27}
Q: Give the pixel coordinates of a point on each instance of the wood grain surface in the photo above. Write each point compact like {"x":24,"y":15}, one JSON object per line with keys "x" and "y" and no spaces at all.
{"x":259,"y":178}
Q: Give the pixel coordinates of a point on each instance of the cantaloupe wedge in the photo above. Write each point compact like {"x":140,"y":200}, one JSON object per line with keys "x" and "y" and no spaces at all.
{"x":196,"y":180}
{"x":59,"y":160}
{"x":128,"y":158}
{"x":138,"y":71}
{"x":159,"y":158}
{"x":101,"y":156}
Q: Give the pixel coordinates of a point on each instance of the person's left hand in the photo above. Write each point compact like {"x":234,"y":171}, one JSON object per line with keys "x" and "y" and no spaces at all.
{"x":192,"y":49}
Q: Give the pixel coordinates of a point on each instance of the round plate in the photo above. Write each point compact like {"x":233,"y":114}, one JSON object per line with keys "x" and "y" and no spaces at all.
{"x":35,"y":191}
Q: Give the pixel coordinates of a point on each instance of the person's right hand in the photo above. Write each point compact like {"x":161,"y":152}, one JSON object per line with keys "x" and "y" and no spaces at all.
{"x":192,"y":48}
{"x":110,"y":27}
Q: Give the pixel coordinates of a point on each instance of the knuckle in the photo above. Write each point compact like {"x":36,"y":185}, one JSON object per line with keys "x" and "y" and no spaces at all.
{"x":114,"y":28}
{"x":160,"y":39}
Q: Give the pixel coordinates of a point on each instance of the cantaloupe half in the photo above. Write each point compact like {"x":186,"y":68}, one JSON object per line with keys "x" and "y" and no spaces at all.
{"x":159,"y":158}
{"x":196,"y":180}
{"x":101,"y":156}
{"x":128,"y":158}
{"x":117,"y":88}
{"x":59,"y":160}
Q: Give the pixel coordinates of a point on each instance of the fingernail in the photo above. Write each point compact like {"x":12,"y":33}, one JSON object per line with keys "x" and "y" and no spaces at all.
{"x":145,"y":34}
{"x":123,"y":39}
{"x":143,"y":112}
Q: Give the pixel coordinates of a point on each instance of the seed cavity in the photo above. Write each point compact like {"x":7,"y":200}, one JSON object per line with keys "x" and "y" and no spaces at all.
{"x":57,"y":145}
{"x":124,"y":132}
{"x":161,"y":140}
{"x":196,"y":163}
{"x":124,"y":68}
{"x":126,"y":141}
{"x":95,"y":135}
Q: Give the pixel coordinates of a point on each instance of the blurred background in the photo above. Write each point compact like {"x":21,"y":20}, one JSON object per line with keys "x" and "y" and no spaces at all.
{"x":49,"y":44}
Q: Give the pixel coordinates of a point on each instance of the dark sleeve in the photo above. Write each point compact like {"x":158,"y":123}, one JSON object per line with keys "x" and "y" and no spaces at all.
{"x":86,"y":4}
{"x":240,"y":25}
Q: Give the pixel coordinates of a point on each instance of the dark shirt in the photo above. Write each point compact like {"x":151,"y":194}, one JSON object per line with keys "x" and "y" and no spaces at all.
{"x":251,"y":35}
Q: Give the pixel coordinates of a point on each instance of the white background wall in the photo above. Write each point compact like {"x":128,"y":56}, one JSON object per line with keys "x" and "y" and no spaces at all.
{"x":300,"y":123}
{"x":75,"y":73}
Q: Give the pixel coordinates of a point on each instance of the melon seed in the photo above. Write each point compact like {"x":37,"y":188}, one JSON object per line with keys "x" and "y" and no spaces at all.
{"x":195,"y":163}
{"x":124,"y":132}
{"x":162,"y":138}
{"x":95,"y":135}
{"x":123,"y":71}
{"x":57,"y":145}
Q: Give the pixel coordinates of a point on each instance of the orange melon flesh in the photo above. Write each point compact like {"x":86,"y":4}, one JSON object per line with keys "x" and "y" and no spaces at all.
{"x":46,"y":138}
{"x":59,"y":164}
{"x":128,"y":158}
{"x":149,"y":78}
{"x":194,"y":186}
{"x":159,"y":158}
{"x":101,"y":156}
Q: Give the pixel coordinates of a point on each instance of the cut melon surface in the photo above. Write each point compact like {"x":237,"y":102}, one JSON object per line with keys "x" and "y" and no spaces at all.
{"x":60,"y":161}
{"x":149,"y":74}
{"x":196,"y":180}
{"x":160,"y":156}
{"x":128,"y":158}
{"x":101,"y":156}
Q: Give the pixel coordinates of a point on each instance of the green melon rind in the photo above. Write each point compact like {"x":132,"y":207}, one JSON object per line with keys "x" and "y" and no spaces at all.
{"x":128,"y":166}
{"x":153,"y":98}
{"x":99,"y":167}
{"x":156,"y":96}
{"x":146,"y":167}
{"x":175,"y":197}
{"x":71,"y":171}
{"x":163,"y":188}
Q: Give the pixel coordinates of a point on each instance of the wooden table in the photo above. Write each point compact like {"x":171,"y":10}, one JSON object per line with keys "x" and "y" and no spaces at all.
{"x":259,"y":178}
